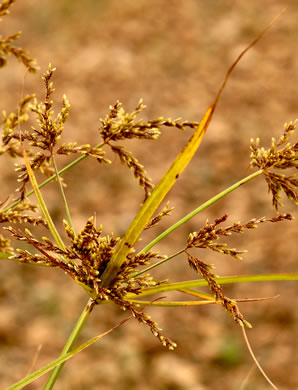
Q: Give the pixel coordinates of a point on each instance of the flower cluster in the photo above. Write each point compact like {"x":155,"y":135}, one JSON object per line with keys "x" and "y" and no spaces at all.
{"x":278,"y":159}
{"x":7,"y":47}
{"x":85,"y":259}
{"x":89,"y":254}
{"x":205,"y":238}
{"x":119,"y":125}
{"x":17,"y":215}
{"x":155,"y":220}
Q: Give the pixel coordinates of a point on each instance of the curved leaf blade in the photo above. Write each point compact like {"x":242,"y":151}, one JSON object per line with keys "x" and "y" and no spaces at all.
{"x":165,"y":287}
{"x":42,"y":371}
{"x":154,"y":200}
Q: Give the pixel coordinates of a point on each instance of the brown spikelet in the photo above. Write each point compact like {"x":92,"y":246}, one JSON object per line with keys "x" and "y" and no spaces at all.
{"x":205,"y":270}
{"x":155,"y":220}
{"x":206,"y":236}
{"x":6,"y":46}
{"x":145,"y":319}
{"x":132,"y":163}
{"x":11,"y":137}
{"x":280,"y":156}
{"x":119,"y":125}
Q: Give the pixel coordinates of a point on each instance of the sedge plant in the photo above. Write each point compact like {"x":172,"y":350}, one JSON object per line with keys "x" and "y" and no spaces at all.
{"x":108,"y":267}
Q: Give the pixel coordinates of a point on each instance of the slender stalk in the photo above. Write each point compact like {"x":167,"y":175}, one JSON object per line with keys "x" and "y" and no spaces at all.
{"x":166,"y":287}
{"x":198,"y":210}
{"x":153,"y":201}
{"x":51,"y":178}
{"x":50,"y":366}
{"x":255,"y":359}
{"x":157,"y":264}
{"x":63,"y":194}
{"x":195,"y":293}
{"x":70,"y":342}
{"x":192,"y":303}
{"x":42,"y":204}
{"x":171,"y":303}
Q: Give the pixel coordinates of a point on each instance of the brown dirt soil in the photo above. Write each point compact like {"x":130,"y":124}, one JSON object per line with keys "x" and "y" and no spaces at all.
{"x":173,"y":54}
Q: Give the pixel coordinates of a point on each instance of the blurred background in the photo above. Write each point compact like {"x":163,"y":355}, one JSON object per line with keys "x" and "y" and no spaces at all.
{"x":174,"y":55}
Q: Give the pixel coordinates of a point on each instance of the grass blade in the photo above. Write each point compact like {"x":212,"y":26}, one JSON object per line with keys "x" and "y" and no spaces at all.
{"x":154,"y":200}
{"x":199,"y":210}
{"x":42,"y":204}
{"x":37,"y":374}
{"x":221,"y":280}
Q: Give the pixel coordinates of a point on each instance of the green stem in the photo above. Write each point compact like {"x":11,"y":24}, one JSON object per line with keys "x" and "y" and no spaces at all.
{"x":47,"y":181}
{"x":157,"y":264}
{"x":199,"y":209}
{"x":63,"y":194}
{"x":153,"y":201}
{"x":70,"y":342}
{"x":50,"y":366}
{"x":43,"y":205}
{"x":171,"y":303}
{"x":166,"y":287}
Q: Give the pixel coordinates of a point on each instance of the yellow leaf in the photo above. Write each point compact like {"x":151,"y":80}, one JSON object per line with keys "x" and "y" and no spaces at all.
{"x":154,"y":200}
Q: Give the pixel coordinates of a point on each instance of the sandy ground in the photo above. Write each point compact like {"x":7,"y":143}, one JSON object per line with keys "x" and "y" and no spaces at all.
{"x":173,"y":54}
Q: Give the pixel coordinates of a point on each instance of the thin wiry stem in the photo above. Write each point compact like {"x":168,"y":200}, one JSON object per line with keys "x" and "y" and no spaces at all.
{"x":42,"y":204}
{"x":256,"y":361}
{"x":50,"y":366}
{"x":171,"y":303}
{"x":200,"y":209}
{"x":70,"y":342}
{"x":207,"y":301}
{"x":166,"y":287}
{"x":63,"y":194}
{"x":158,"y":263}
{"x":51,"y":178}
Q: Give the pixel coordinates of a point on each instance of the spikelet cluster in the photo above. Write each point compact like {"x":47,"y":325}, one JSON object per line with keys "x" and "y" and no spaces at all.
{"x":280,"y":156}
{"x":205,"y":238}
{"x":85,"y":260}
{"x":7,"y":46}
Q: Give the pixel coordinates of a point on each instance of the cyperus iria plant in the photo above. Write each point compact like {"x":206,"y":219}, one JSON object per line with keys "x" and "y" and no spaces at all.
{"x":108,"y":267}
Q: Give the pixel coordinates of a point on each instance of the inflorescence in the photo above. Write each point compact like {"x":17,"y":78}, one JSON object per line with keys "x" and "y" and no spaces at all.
{"x":89,"y":252}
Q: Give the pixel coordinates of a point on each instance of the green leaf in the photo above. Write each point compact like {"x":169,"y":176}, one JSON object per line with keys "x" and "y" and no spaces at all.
{"x":196,"y":211}
{"x":172,"y":303}
{"x":37,"y":374}
{"x":154,"y":200}
{"x":42,"y":204}
{"x":221,"y":280}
